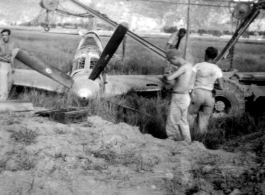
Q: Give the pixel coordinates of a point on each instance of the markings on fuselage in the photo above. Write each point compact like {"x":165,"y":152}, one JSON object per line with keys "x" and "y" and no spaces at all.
{"x":49,"y":71}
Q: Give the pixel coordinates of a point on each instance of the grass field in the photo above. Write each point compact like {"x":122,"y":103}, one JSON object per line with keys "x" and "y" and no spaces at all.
{"x":58,"y":50}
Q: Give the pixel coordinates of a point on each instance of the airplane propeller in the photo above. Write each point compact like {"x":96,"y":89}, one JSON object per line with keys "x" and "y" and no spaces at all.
{"x":44,"y":68}
{"x":109,"y":51}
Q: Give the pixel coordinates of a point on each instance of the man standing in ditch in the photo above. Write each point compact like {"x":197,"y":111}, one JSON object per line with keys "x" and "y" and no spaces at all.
{"x":6,"y":46}
{"x":177,"y":127}
{"x":202,"y":96}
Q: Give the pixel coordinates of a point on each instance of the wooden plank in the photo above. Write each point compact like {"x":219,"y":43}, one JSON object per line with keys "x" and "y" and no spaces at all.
{"x":16,"y":106}
{"x":66,"y":116}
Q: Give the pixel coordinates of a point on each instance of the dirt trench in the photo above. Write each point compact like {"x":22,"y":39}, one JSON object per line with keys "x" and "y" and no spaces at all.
{"x":39,"y":156}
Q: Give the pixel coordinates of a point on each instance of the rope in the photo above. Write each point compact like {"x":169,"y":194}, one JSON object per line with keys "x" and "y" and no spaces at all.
{"x":129,"y":108}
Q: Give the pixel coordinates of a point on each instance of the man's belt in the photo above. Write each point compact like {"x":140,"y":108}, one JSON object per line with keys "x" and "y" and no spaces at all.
{"x":210,"y":90}
{"x":180,"y":92}
{"x":213,"y":91}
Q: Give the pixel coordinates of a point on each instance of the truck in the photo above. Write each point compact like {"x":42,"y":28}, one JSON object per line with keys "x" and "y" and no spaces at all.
{"x":242,"y":90}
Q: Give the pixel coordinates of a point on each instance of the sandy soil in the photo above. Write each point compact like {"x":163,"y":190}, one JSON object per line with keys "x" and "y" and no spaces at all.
{"x":39,"y":156}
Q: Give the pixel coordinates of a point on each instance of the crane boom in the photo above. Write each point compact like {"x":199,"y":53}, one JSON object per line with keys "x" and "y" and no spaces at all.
{"x":137,"y":38}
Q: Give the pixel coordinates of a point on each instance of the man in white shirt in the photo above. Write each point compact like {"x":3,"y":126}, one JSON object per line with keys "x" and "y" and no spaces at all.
{"x":173,"y":43}
{"x":175,"y":39}
{"x":202,"y":97}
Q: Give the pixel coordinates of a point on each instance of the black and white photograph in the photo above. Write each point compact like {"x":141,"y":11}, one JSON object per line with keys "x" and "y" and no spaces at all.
{"x":132,"y":97}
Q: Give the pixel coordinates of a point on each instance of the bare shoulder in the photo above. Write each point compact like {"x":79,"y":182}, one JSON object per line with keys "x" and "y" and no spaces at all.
{"x":188,"y":66}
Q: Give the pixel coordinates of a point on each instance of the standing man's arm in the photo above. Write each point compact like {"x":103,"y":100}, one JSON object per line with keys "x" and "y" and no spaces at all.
{"x":219,"y":76}
{"x":177,"y":45}
{"x":181,"y":34}
{"x":5,"y":59}
{"x":15,"y":45}
{"x":175,"y":75}
{"x":220,"y":84}
{"x":171,"y":41}
{"x":167,"y":47}
{"x":2,"y":54}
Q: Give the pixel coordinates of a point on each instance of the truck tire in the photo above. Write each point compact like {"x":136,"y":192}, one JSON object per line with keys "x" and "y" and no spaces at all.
{"x":230,"y":100}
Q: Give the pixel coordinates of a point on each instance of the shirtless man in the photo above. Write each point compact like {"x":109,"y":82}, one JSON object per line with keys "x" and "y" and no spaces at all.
{"x":177,"y":127}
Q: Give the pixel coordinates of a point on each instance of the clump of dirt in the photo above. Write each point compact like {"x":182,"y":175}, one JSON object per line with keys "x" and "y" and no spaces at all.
{"x":39,"y":156}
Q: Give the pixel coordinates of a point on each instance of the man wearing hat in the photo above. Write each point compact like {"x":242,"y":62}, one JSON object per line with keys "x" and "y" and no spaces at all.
{"x":177,"y":127}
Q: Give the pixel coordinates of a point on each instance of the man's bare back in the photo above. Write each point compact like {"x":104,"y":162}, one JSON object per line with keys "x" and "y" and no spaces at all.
{"x":177,"y":127}
{"x":184,"y":76}
{"x":184,"y":83}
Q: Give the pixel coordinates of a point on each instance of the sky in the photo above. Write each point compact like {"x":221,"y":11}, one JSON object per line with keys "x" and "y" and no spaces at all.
{"x":25,"y":10}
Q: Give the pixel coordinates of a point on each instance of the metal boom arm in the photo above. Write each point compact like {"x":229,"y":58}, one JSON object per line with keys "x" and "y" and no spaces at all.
{"x":241,"y":29}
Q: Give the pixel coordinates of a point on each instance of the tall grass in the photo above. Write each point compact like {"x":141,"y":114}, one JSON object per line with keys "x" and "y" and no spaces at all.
{"x":229,"y":128}
{"x":58,"y":50}
{"x":148,"y":113}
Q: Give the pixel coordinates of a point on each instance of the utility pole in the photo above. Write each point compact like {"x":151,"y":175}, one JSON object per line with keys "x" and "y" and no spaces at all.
{"x":188,"y":30}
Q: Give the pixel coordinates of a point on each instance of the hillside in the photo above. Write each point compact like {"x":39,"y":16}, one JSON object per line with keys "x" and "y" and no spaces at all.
{"x":141,"y":15}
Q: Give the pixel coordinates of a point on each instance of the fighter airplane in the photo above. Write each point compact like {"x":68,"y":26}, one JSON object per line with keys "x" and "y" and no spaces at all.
{"x":85,"y":79}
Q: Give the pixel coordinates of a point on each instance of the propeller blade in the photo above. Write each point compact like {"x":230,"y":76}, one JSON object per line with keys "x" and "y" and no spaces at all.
{"x":44,"y":69}
{"x":109,"y":50}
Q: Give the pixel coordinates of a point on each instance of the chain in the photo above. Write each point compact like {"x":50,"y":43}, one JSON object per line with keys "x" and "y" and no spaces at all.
{"x":63,"y":11}
{"x":232,"y":50}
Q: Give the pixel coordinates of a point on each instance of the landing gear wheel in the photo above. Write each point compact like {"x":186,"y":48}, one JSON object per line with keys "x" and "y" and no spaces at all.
{"x":231,"y":100}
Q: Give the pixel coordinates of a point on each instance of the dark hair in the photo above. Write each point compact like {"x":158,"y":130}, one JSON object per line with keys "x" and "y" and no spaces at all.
{"x":183,"y":30}
{"x":6,"y":30}
{"x":211,"y":52}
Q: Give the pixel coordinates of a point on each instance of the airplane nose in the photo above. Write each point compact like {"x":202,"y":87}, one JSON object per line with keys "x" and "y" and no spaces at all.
{"x":84,"y":93}
{"x":85,"y":88}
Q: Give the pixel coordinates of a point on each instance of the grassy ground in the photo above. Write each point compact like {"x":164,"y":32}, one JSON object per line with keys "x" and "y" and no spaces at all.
{"x":234,"y":133}
{"x":58,"y":50}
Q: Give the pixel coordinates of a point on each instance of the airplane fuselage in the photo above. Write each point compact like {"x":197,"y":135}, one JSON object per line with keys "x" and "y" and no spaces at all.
{"x":86,"y":57}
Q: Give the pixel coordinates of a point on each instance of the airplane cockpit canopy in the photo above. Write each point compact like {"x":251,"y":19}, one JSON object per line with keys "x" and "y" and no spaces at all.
{"x":81,"y":63}
{"x":88,"y":52}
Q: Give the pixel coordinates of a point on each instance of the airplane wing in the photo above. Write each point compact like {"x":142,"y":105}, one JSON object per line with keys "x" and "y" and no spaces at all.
{"x":119,"y":84}
{"x":32,"y":78}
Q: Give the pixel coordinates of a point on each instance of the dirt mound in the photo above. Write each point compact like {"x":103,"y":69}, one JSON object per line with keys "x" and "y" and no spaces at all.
{"x":39,"y":156}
